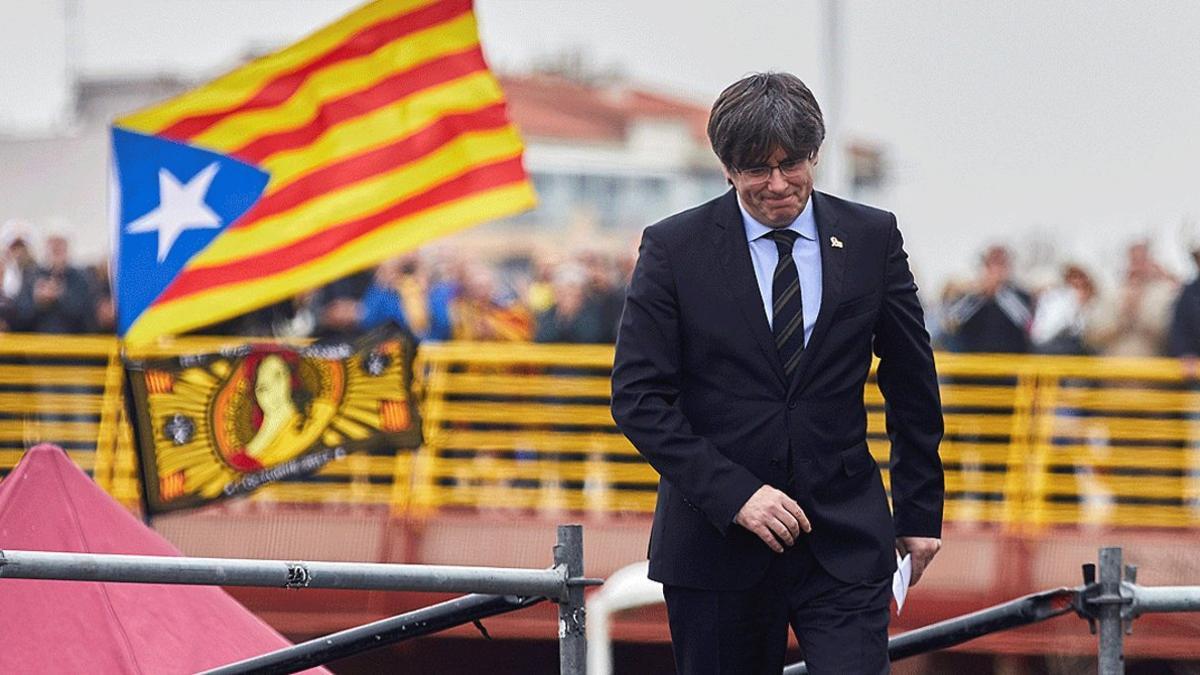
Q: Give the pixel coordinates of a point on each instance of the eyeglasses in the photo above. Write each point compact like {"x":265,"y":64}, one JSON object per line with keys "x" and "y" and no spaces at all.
{"x":791,"y":168}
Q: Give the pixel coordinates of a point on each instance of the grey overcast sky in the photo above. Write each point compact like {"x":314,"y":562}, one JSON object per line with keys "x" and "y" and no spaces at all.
{"x":1072,"y":121}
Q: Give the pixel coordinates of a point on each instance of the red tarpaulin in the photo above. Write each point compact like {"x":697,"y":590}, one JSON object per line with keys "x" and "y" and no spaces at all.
{"x":48,"y":504}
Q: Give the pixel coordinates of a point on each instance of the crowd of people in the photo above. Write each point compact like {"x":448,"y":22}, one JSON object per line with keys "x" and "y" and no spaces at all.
{"x":439,"y":294}
{"x":1150,"y":313}
{"x":50,"y":294}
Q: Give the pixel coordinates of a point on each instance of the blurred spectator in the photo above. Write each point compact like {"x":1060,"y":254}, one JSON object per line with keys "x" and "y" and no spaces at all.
{"x":1062,"y":311}
{"x":104,"y":319}
{"x":1134,"y":320}
{"x":399,"y":294}
{"x":481,"y":312}
{"x":295,"y":318}
{"x":605,"y":293}
{"x":17,"y":271}
{"x":59,"y":298}
{"x":940,"y":334}
{"x":19,"y":264}
{"x":1184,"y":337}
{"x":993,"y":314}
{"x":8,"y":305}
{"x":573,"y":316}
{"x":338,"y":307}
{"x":445,"y":284}
{"x":540,"y":294}
{"x":626,"y":261}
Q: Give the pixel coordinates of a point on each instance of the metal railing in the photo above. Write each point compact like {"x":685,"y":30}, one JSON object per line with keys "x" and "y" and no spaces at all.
{"x":1110,"y":605}
{"x":509,"y":589}
{"x":1031,"y":441}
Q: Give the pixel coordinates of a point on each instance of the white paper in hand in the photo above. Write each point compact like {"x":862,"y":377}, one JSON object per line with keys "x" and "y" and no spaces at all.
{"x":900,"y":580}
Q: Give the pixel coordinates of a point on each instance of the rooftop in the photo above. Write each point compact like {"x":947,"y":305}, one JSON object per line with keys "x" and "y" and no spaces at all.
{"x":551,"y":106}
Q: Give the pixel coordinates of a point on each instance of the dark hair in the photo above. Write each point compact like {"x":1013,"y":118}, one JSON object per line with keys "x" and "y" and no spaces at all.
{"x":760,"y":113}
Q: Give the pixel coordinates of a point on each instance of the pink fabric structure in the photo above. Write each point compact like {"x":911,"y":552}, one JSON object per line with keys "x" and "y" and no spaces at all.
{"x":48,"y":504}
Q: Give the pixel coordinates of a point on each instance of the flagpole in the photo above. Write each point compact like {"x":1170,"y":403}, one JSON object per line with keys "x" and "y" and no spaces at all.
{"x":832,"y":164}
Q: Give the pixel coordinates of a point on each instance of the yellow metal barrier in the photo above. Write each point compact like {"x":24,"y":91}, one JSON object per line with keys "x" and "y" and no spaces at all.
{"x":525,"y":427}
{"x":57,"y":390}
{"x":1031,"y":441}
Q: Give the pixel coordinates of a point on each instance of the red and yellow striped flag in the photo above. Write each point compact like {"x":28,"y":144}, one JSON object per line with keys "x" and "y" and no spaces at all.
{"x":368,"y":138}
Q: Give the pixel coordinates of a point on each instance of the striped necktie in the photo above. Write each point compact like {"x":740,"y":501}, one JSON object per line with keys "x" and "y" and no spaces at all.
{"x":787,"y":305}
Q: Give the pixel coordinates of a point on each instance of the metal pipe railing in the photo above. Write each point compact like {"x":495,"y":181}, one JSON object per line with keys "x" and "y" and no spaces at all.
{"x":378,"y":634}
{"x":1147,"y":599}
{"x":1109,"y":604}
{"x":549,"y":583}
{"x":1030,"y":609}
{"x":500,"y":590}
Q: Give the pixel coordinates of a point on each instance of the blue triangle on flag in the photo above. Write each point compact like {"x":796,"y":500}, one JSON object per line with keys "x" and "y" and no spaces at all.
{"x":162,"y":241}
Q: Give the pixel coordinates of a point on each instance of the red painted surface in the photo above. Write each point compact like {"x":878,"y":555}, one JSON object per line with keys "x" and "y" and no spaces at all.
{"x":48,"y":504}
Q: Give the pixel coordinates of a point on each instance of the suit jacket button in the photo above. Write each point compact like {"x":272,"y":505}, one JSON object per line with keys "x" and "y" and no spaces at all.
{"x":792,"y":405}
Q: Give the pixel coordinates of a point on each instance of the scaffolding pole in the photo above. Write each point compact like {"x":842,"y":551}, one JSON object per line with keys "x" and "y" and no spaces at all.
{"x":370,"y":636}
{"x":494,"y":590}
{"x":1148,"y":599}
{"x":1108,"y":604}
{"x":572,"y":614}
{"x":1030,"y":609}
{"x":549,"y":583}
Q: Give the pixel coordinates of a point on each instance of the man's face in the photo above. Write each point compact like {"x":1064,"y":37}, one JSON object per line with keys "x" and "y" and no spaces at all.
{"x":996,"y":263}
{"x":777,"y":199}
{"x":19,"y":251}
{"x":1140,"y":261}
{"x":57,"y":253}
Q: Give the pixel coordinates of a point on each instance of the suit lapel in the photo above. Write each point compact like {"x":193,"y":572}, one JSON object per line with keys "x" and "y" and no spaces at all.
{"x":734,"y":256}
{"x":833,"y":263}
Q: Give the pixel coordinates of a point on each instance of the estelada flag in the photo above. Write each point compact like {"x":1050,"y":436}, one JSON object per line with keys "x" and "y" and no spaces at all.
{"x":375,"y":134}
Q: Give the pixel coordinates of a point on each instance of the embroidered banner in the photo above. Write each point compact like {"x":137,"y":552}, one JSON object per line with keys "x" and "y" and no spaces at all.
{"x":213,"y":426}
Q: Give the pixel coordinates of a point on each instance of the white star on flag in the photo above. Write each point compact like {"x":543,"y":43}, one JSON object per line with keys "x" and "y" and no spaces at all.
{"x":180,"y":207}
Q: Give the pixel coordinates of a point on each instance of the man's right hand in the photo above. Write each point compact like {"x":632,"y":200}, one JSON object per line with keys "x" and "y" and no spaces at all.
{"x":775,"y":517}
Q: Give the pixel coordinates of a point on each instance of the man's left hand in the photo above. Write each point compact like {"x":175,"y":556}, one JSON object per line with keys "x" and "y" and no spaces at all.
{"x":922,"y":550}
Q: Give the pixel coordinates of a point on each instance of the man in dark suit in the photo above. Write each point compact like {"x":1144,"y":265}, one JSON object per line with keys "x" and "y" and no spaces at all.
{"x":743,"y":351}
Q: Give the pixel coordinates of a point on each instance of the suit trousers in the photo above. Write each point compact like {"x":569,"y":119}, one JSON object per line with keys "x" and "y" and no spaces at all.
{"x":841,"y":627}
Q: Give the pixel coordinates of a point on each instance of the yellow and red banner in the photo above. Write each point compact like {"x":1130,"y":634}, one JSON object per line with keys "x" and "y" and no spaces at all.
{"x":220,"y":425}
{"x":373,"y":135}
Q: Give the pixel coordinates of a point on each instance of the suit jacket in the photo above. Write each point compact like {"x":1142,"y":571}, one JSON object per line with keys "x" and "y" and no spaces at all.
{"x":699,"y":388}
